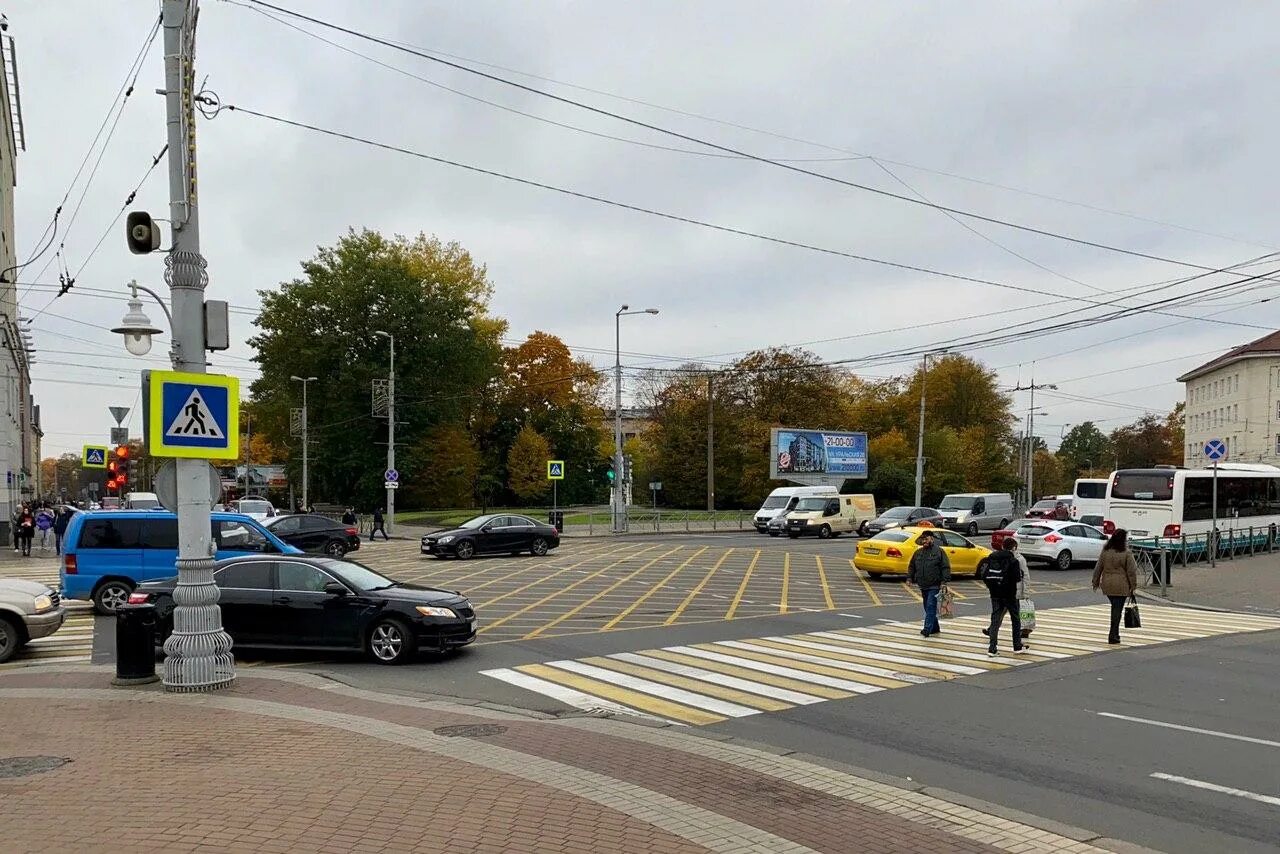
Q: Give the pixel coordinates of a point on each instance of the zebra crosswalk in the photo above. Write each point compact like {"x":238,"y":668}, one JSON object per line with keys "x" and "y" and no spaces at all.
{"x":71,"y":644}
{"x":705,"y":683}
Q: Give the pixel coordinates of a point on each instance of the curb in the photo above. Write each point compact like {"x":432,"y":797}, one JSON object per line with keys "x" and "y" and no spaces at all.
{"x":1188,"y":606}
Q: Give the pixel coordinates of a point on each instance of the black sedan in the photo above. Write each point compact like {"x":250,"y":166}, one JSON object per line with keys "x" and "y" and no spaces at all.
{"x":324,"y":604}
{"x":900,"y":517}
{"x":496,"y":533}
{"x":315,"y":534}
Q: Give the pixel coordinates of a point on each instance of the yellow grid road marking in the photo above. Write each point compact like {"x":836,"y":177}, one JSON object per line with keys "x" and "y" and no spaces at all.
{"x":675,"y":615}
{"x":596,"y":598}
{"x":742,"y":588}
{"x":826,"y":588}
{"x":786,"y":580}
{"x":554,"y":593}
{"x":911,"y":591}
{"x":652,"y":590}
{"x":875,"y":597}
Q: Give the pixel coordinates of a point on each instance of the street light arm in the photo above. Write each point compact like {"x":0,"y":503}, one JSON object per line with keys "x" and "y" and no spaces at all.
{"x":167,"y":316}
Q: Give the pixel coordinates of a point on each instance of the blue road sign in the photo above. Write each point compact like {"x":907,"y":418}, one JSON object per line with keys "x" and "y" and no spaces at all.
{"x":94,"y":457}
{"x":1215,"y":449}
{"x":194,"y":415}
{"x":555,"y":469}
{"x":392,"y":476}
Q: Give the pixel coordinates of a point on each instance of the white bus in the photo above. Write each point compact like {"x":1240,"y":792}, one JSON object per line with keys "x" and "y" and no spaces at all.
{"x":1172,"y":502}
{"x":1089,"y":503}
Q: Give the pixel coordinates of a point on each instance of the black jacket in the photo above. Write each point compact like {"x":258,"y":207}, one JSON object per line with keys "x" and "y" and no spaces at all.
{"x":377,"y":516}
{"x":348,"y":518}
{"x":929,"y":567}
{"x":1002,"y":574}
{"x":64,"y":519}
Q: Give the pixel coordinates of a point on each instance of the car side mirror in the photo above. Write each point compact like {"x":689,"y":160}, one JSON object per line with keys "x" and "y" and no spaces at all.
{"x":335,"y":588}
{"x":486,"y":529}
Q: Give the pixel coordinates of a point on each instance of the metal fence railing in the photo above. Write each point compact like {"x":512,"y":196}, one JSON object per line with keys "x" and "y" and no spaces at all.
{"x":1157,"y":556}
{"x":647,"y":521}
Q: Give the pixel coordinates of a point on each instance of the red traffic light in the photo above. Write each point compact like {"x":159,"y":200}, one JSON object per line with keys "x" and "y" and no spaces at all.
{"x":122,"y":452}
{"x":121,"y":479}
{"x":111,"y":467}
{"x":111,"y":483}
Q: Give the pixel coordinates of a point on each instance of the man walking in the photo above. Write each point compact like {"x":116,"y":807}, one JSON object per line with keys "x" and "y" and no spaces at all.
{"x":379,"y":524}
{"x":1003,"y":575}
{"x":929,"y":570}
{"x":60,"y":527}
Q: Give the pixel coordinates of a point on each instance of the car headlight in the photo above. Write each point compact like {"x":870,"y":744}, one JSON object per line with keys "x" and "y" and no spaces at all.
{"x":448,"y":539}
{"x":43,"y":602}
{"x":891,"y":524}
{"x":432,"y":611}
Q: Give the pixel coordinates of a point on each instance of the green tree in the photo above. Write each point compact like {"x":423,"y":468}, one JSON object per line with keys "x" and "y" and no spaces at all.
{"x":1050,"y":478}
{"x":527,"y":464}
{"x":447,"y":464}
{"x":433,"y":297}
{"x":1149,"y":441}
{"x":1084,"y":449}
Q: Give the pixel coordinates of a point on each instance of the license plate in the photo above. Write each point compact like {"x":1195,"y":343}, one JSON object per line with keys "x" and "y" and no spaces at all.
{"x":1028,"y":541}
{"x":871,"y":551}
{"x":1139,"y":533}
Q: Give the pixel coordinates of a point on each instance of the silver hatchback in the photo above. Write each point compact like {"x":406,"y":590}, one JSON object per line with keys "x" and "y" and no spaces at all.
{"x":28,"y":611}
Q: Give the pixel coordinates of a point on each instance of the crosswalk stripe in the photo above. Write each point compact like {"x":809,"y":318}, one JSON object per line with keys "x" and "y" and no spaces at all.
{"x":711,"y":682}
{"x":633,"y":699}
{"x":657,"y":689}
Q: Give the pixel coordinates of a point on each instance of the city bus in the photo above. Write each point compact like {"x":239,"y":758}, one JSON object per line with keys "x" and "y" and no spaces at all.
{"x":1173,"y":502}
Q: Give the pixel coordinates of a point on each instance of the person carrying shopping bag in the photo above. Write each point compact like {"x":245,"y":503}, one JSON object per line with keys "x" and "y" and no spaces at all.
{"x":1116,"y":574}
{"x":929,"y":570}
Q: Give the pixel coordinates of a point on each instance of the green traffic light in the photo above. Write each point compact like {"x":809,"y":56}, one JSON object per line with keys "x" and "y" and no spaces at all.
{"x":610,"y":473}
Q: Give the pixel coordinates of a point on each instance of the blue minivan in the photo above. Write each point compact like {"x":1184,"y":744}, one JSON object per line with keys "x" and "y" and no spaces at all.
{"x":109,"y":552}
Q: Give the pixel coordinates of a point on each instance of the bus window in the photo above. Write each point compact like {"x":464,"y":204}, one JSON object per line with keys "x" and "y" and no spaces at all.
{"x":1143,"y":486}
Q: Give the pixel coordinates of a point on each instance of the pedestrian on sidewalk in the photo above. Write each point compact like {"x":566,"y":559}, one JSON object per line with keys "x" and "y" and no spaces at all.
{"x":349,"y":516}
{"x":60,"y":526}
{"x":1002,"y":577}
{"x":44,"y":524}
{"x":379,"y":524}
{"x":15,"y":522}
{"x":26,"y":529}
{"x":1116,"y":573}
{"x":929,"y":570}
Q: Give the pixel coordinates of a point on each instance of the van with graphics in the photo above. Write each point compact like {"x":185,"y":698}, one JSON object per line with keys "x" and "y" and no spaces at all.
{"x":826,"y":516}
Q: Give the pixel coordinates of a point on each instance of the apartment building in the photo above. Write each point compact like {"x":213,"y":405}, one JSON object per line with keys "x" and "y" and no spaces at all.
{"x":1236,"y":398}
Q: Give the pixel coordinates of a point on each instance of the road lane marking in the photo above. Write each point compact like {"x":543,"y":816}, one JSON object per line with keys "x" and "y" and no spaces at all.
{"x":715,"y":706}
{"x":911,"y":591}
{"x":778,"y":687}
{"x":634,"y":699}
{"x":832,"y":677}
{"x":581,"y":606}
{"x":826,"y":588}
{"x":919,"y":665}
{"x":652,"y":590}
{"x":565,"y":694}
{"x":675,"y":615}
{"x":709,"y":687}
{"x":746,"y":576}
{"x":1214,"y":787}
{"x":786,"y":580}
{"x":1216,"y":733}
{"x":858,"y":574}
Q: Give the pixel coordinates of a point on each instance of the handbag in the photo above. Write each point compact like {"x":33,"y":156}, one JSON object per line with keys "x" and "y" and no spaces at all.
{"x":1132,"y":619}
{"x":1026,"y":615}
{"x":945,"y":599}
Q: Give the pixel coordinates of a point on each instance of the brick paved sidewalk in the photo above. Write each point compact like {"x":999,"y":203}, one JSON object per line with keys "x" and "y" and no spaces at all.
{"x":1248,"y":584}
{"x":293,"y":762}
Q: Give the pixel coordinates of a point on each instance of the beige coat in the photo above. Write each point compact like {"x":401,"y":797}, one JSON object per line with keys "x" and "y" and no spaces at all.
{"x":1116,"y":573}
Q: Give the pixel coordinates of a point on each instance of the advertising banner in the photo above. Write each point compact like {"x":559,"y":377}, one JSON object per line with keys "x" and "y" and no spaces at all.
{"x":817,"y":456}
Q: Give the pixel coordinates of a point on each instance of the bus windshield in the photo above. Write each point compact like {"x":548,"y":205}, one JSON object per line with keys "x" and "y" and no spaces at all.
{"x":1143,"y":486}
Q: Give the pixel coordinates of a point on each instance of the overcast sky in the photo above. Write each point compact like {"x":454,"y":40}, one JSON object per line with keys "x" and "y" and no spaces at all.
{"x":1163,"y":111}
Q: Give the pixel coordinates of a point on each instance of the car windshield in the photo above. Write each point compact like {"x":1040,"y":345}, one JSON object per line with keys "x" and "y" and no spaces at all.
{"x":1047,"y":504}
{"x":143,"y":503}
{"x":773,"y":502}
{"x":956,"y":502}
{"x":359,"y":576}
{"x":262,"y":507}
{"x":811,"y":504}
{"x":892,"y":536}
{"x":476,"y":523}
{"x":897,"y":513}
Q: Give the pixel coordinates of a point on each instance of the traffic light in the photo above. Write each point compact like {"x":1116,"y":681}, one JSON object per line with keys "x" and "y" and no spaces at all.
{"x":611,"y":474}
{"x":118,"y":468}
{"x":626,"y":469}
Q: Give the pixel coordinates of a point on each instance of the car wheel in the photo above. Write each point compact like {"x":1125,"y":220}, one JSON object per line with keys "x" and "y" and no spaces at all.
{"x":875,"y":576}
{"x":335,"y":548}
{"x":390,"y":642}
{"x":10,"y":640}
{"x":1064,"y":559}
{"x":972,"y":530}
{"x":1004,"y":523}
{"x":538,"y":547}
{"x":111,"y":597}
{"x":465,"y":550}
{"x":862,"y":529}
{"x":824,"y":533}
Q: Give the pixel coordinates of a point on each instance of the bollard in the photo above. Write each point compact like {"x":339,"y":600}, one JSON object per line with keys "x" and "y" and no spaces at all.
{"x":135,"y":645}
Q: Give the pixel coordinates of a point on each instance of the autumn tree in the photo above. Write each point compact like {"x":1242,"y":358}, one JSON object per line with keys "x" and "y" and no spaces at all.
{"x":447,"y":467}
{"x":1084,"y":449}
{"x":527,"y":464}
{"x":1149,"y":441}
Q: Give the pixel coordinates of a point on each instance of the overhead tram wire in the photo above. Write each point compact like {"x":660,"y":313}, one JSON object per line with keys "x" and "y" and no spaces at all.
{"x":678,"y":218}
{"x":729,"y":149}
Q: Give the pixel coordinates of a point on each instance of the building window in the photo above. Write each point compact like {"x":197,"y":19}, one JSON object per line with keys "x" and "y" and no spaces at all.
{"x":1278,"y":444}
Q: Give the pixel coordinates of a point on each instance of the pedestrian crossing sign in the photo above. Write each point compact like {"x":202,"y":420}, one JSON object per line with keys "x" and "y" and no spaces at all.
{"x":193,"y":415}
{"x":94,"y":457}
{"x":555,"y":469}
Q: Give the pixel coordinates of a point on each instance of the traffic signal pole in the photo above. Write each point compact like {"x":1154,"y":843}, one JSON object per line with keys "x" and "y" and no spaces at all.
{"x":198,"y":652}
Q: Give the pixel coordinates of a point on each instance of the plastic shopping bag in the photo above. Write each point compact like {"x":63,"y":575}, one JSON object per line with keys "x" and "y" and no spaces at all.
{"x":946,"y":598}
{"x":1027,"y":614}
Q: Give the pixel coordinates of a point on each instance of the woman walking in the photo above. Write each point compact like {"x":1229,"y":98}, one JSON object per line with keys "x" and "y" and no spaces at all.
{"x":1116,"y":572}
{"x":26,"y":529}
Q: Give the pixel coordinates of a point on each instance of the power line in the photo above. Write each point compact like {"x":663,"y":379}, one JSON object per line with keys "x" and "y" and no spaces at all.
{"x":730,"y":150}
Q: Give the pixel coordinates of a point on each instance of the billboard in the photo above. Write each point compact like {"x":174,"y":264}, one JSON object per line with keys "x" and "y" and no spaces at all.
{"x":817,"y":456}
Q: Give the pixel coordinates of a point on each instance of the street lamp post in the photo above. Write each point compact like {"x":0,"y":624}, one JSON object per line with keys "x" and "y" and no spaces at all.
{"x":619,"y":499}
{"x":924,"y":372}
{"x":306,"y":501}
{"x":391,"y":431}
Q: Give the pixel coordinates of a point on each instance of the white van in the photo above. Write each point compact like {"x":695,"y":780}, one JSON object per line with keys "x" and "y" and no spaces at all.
{"x":142,"y":501}
{"x":972,"y":512}
{"x":1090,"y":499}
{"x":783,"y":500}
{"x":826,"y":516}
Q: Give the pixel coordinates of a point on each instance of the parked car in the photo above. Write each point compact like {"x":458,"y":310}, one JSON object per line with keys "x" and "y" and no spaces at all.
{"x":495,"y":533}
{"x":106,"y":554}
{"x":324,"y":604}
{"x":777,"y":526}
{"x":889,"y":552}
{"x":1060,"y":543}
{"x":998,"y":537}
{"x":972,"y":512}
{"x":900,"y":517}
{"x":1050,"y":508}
{"x":255,"y":508}
{"x":28,"y":611}
{"x":315,"y":534}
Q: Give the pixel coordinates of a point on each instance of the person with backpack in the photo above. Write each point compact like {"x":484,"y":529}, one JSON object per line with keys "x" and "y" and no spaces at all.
{"x":1116,"y":573}
{"x":929,"y":569}
{"x":1002,"y":576}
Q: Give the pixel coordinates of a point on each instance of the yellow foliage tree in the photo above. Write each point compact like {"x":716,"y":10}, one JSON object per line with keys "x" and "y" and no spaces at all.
{"x":527,"y":464}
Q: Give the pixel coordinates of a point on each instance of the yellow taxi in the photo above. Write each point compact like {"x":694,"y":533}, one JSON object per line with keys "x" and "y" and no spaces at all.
{"x":889,"y":552}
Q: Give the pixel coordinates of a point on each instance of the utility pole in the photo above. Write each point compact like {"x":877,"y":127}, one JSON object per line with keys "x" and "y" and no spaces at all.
{"x":924,"y":373}
{"x":248,"y":452}
{"x":619,"y":509}
{"x":391,"y":432}
{"x":306,"y":501}
{"x":1031,"y":434}
{"x":711,"y":447}
{"x":198,"y":652}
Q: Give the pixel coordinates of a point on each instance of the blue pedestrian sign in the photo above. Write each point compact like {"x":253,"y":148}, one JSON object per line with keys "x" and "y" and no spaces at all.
{"x":555,"y":469}
{"x":392,"y":476}
{"x":94,"y":457}
{"x":193,"y":415}
{"x":1215,"y":449}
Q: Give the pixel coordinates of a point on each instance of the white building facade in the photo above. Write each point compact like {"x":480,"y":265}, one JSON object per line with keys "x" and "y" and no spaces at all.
{"x":1236,"y":398}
